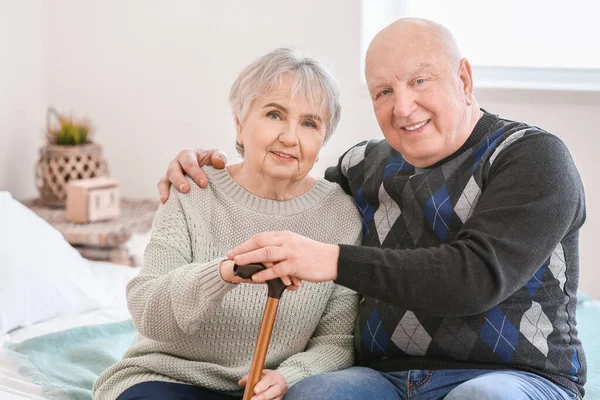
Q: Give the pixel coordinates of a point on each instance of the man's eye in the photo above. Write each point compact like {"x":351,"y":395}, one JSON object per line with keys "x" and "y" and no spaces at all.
{"x":384,"y":92}
{"x":420,"y":81}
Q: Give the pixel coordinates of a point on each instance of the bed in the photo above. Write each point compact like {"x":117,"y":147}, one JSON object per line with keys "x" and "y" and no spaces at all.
{"x":111,"y":278}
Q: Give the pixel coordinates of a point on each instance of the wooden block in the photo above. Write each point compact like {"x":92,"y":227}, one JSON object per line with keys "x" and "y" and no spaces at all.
{"x":95,"y":199}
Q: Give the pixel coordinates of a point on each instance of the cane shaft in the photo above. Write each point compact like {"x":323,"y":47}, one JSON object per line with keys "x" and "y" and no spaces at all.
{"x":262,"y":345}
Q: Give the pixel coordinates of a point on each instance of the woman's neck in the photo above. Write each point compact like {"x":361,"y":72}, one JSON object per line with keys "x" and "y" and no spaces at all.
{"x":267,"y":187}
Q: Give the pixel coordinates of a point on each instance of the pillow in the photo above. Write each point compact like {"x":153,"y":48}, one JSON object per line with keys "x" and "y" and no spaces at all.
{"x":41,"y":275}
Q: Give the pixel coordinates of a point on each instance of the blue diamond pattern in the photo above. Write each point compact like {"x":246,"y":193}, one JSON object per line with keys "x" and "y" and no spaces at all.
{"x":438,"y":211}
{"x":575,"y":366}
{"x":536,"y":280}
{"x":499,"y":334}
{"x":374,"y":337}
{"x":366,"y":210}
{"x":396,"y":163}
{"x":488,"y":145}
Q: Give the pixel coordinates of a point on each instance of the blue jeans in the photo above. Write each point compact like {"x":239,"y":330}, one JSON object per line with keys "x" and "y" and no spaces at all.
{"x":364,"y":383}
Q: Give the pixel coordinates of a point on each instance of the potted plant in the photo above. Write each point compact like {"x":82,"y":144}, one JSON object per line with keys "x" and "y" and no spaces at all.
{"x":69,"y":154}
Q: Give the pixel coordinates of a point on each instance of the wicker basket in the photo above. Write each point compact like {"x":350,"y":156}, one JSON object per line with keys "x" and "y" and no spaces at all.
{"x":58,"y":165}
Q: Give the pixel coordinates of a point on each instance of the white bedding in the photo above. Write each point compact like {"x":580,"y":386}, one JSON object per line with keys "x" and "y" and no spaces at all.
{"x":112,"y":279}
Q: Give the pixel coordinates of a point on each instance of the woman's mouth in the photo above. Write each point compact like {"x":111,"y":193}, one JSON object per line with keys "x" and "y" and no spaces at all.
{"x":283,"y":157}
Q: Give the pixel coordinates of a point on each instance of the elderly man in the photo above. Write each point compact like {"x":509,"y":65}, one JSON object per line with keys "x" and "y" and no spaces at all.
{"x":469,"y":264}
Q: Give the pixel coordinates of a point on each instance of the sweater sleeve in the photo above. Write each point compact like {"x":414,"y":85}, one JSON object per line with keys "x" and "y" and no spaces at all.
{"x":172,"y":294}
{"x":337,"y":173}
{"x":331,"y":346}
{"x":533,"y":199}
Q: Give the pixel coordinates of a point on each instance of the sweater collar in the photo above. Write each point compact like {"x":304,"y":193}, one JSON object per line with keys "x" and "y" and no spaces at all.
{"x":226,"y":185}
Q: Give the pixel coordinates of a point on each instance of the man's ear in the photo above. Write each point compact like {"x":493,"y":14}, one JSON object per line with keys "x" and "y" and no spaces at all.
{"x":238,"y":128}
{"x":466,"y":77}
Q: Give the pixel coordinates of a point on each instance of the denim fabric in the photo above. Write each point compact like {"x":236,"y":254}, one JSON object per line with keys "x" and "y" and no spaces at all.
{"x":364,"y":383}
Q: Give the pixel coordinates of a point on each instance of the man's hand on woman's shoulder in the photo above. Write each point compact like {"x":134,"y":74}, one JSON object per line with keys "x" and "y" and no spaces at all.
{"x":188,"y":162}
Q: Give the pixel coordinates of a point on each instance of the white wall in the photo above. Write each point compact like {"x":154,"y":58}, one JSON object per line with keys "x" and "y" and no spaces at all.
{"x":154,"y":78}
{"x":21,"y":94}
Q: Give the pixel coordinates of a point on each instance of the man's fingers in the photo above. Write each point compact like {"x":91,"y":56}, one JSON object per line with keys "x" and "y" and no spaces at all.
{"x":176,"y":177}
{"x":215,"y":157}
{"x":243,"y":381}
{"x":286,"y":281}
{"x":264,"y":254}
{"x":218,"y":159}
{"x":296,"y":281}
{"x":187,"y":162}
{"x":256,"y":242}
{"x":277,"y":271}
{"x":164,"y":187}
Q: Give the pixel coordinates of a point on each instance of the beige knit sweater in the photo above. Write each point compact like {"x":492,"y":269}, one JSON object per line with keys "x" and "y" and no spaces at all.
{"x":197,"y":329}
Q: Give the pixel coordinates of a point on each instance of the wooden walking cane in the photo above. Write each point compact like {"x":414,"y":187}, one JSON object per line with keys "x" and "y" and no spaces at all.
{"x":276,"y":288}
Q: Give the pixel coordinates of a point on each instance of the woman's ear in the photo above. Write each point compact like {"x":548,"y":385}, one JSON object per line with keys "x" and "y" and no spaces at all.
{"x":239,"y":128}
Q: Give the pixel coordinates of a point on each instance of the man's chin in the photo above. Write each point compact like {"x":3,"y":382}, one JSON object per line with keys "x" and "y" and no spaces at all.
{"x":422,"y":159}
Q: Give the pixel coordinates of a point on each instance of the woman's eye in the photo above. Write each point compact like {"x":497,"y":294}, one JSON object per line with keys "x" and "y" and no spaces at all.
{"x":274,"y":115}
{"x":310,"y":124}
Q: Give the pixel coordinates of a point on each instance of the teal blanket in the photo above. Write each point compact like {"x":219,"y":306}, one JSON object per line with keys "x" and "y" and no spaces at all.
{"x":588,"y":325}
{"x":66,"y":364}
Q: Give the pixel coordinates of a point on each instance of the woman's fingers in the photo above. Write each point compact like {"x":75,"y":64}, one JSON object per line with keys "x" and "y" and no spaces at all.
{"x":271,"y":386}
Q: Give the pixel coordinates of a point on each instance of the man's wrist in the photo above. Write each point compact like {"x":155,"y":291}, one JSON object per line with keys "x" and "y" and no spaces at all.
{"x":335,"y":255}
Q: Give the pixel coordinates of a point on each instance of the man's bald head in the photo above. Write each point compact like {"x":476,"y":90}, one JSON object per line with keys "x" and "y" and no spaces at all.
{"x":408,"y":34}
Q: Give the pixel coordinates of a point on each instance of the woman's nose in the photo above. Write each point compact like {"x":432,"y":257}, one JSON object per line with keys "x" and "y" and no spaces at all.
{"x":289,"y":134}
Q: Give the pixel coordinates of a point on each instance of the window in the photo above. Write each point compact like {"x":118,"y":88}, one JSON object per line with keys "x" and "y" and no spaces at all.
{"x":510,"y":43}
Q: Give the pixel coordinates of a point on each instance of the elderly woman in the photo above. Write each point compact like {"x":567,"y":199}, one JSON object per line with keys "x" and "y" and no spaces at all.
{"x":197,"y":323}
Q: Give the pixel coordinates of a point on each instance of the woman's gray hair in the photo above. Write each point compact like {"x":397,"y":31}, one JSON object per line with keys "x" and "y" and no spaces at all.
{"x":312,"y":78}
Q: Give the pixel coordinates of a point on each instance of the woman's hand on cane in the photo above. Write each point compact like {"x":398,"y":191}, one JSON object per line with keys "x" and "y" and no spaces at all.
{"x":272,"y":386}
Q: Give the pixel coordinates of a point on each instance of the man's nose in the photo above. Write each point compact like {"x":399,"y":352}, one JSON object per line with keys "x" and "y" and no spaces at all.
{"x":404,"y":103}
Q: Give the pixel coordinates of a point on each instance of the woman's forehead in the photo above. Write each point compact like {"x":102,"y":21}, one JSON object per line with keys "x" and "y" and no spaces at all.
{"x":295,"y":97}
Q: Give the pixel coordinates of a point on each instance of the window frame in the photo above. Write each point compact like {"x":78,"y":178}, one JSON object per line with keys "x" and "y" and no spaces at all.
{"x":376,"y":14}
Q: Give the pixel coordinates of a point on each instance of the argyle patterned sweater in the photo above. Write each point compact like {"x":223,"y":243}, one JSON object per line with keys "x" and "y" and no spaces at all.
{"x":472,"y":262}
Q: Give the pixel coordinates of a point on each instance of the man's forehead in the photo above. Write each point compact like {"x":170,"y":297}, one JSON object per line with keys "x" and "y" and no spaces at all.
{"x":400,"y":69}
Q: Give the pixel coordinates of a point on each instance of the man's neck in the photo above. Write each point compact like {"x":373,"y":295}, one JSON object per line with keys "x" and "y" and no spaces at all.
{"x":473,"y":116}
